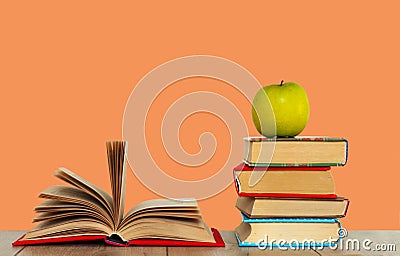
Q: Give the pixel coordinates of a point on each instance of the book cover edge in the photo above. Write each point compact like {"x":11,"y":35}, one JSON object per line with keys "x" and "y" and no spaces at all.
{"x":219,"y":242}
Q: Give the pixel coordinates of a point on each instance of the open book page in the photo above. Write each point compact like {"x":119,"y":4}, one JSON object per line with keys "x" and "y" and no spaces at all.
{"x":116,"y":162}
{"x":79,"y":182}
{"x":168,"y":228}
{"x":183,"y":208}
{"x":54,"y":205}
{"x":155,"y":207}
{"x":73,"y":226}
{"x":69,"y":211}
{"x":166,"y":219}
{"x":80,"y":199}
{"x":165,"y":203}
{"x":53,"y":209}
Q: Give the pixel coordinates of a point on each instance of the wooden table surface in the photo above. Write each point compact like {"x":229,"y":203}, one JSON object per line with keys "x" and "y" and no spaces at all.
{"x":387,"y":238}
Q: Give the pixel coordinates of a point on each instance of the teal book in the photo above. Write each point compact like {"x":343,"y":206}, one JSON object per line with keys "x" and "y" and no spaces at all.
{"x":289,"y":232}
{"x":295,"y":151}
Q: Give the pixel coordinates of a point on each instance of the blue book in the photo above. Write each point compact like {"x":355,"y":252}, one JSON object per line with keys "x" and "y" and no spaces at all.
{"x":289,"y":232}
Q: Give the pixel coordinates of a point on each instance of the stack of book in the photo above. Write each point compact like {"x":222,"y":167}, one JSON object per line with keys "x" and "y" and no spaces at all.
{"x":287,"y":193}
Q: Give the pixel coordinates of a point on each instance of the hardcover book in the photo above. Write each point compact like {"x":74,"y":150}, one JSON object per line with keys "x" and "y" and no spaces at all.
{"x":245,"y":167}
{"x":297,"y":231}
{"x":270,"y":207}
{"x":303,"y":182}
{"x":85,"y":212}
{"x":297,"y":151}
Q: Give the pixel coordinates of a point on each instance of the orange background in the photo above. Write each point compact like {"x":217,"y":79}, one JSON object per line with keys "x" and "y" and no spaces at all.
{"x":67,"y":69}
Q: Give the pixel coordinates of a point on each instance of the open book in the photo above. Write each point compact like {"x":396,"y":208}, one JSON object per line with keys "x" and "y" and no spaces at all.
{"x":84,"y":212}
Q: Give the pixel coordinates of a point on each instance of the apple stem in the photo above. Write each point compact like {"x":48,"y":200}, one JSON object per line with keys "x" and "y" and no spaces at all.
{"x":281,"y":82}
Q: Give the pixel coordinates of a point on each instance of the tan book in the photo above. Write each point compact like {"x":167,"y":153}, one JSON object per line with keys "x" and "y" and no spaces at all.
{"x":285,"y":233}
{"x":260,"y":207}
{"x":85,"y":212}
{"x":297,"y":151}
{"x":286,"y":183}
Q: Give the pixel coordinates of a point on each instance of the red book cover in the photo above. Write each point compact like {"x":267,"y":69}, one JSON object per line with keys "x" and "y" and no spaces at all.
{"x":219,"y":242}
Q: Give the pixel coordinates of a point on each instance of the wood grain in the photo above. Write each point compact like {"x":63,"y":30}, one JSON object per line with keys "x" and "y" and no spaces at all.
{"x":377,"y":237}
{"x":279,"y":252}
{"x":90,"y":250}
{"x":231,"y":248}
{"x":6,"y":238}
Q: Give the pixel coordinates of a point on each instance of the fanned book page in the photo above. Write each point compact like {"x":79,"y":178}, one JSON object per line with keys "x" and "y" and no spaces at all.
{"x":85,"y":212}
{"x":116,"y":165}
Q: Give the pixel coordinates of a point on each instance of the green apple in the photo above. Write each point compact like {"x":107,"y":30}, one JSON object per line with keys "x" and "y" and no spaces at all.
{"x":285,"y":104}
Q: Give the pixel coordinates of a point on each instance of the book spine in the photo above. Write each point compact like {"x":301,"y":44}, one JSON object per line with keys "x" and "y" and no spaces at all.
{"x":251,"y":164}
{"x":289,"y":220}
{"x":247,"y":168}
{"x":250,"y":140}
{"x":297,"y":138}
{"x":277,"y":195}
{"x":347,"y":207}
{"x":347,"y":153}
{"x":237,"y":183}
{"x":280,"y":195}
